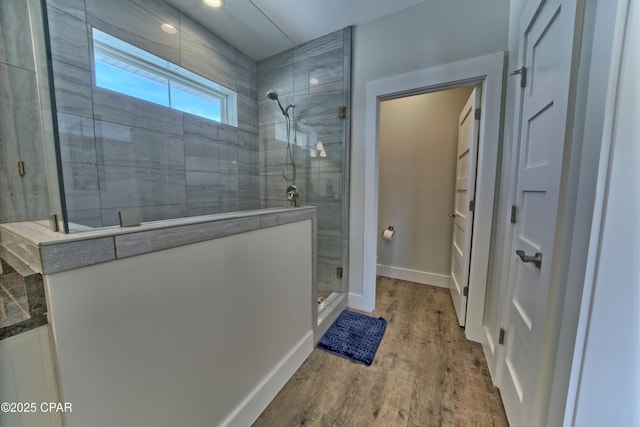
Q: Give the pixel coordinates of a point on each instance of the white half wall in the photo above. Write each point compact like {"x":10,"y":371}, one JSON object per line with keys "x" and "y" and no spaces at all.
{"x":202,"y":334}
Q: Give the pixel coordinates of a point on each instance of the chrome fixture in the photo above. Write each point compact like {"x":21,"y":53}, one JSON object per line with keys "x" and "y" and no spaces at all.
{"x":288,"y":164}
{"x":292,"y":195}
{"x":535,"y":259}
{"x":273,"y":95}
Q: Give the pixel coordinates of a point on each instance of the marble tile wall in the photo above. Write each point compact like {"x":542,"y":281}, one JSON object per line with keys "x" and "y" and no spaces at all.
{"x":122,"y":153}
{"x":22,"y":198}
{"x":316,"y":78}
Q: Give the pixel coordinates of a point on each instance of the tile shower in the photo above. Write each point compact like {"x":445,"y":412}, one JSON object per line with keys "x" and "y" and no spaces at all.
{"x":119,"y":153}
{"x":24,"y":114}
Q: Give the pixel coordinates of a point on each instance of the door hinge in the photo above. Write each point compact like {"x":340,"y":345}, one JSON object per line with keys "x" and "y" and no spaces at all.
{"x":472,"y":205}
{"x":477,"y":113}
{"x":514,"y":212}
{"x":501,"y":336}
{"x":339,"y":273}
{"x":465,"y":291}
{"x":523,"y":75}
{"x":21,"y":171}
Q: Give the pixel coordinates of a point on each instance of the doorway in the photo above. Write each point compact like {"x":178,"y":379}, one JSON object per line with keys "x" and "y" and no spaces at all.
{"x":427,"y":158}
{"x":486,"y":71}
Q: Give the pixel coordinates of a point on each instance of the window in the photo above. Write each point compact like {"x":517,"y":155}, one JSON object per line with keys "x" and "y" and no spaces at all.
{"x":124,"y":68}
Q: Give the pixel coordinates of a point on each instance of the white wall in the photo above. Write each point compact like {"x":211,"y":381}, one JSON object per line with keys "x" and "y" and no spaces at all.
{"x":418,"y":138}
{"x":609,"y":379}
{"x":433,"y":33}
{"x":202,"y":334}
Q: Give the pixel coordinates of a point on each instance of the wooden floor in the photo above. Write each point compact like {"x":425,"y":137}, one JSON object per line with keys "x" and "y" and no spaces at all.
{"x":425,"y":373}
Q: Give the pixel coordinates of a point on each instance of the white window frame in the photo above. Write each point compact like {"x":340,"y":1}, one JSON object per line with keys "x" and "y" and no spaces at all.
{"x":148,"y":65}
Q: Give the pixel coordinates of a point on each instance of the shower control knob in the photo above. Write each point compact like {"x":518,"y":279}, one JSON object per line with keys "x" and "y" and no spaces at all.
{"x":452,"y":214}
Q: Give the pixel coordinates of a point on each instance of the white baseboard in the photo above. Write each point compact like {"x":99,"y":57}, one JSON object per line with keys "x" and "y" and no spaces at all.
{"x":251,"y":408}
{"x":433,"y":279}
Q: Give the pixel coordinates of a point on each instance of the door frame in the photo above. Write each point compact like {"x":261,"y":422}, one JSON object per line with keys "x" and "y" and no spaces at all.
{"x":487,"y":71}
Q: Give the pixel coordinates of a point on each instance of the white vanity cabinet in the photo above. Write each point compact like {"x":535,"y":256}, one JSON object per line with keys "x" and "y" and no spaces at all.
{"x":27,"y":378}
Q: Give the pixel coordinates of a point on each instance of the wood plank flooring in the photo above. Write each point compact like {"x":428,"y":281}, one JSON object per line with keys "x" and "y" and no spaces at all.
{"x":425,"y":373}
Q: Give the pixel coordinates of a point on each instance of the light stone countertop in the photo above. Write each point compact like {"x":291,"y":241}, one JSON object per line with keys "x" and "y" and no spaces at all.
{"x":29,"y":250}
{"x":49,"y":252}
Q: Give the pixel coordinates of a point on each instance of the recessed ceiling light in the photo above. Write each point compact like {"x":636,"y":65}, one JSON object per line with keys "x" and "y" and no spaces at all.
{"x":313,"y":81}
{"x":213,"y":3}
{"x":168,"y":28}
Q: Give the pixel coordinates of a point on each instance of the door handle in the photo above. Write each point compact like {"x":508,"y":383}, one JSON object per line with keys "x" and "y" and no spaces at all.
{"x":536,"y":259}
{"x":452,"y":214}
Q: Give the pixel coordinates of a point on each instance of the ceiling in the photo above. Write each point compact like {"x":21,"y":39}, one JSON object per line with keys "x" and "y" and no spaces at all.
{"x":262,"y":28}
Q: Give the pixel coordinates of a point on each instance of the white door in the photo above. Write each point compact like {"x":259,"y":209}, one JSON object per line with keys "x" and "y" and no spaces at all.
{"x":462,"y":213}
{"x":546,"y":37}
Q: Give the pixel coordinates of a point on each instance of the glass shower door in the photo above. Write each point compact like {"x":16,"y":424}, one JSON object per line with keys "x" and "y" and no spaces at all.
{"x":315,"y":78}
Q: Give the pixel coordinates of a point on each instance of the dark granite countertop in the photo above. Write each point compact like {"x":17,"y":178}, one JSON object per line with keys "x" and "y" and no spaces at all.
{"x":22,"y":302}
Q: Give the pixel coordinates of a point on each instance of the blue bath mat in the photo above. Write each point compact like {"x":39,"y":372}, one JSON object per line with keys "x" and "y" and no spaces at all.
{"x":354,"y":336}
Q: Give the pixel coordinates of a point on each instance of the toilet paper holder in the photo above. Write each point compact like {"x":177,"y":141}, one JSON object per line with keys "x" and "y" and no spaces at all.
{"x":388,"y":233}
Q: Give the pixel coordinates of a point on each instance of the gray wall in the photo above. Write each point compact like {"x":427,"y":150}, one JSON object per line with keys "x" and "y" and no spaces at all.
{"x":21,"y":122}
{"x":122,"y":153}
{"x":322,"y":181}
{"x":418,"y":139}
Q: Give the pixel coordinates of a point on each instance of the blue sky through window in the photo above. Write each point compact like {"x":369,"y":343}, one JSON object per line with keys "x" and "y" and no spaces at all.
{"x":119,"y":80}
{"x":208,"y":107}
{"x":126,"y":69}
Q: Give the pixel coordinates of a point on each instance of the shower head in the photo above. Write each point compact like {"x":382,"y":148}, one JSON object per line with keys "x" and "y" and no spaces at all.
{"x":273,"y":95}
